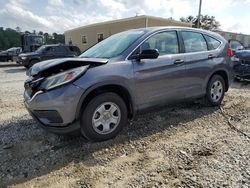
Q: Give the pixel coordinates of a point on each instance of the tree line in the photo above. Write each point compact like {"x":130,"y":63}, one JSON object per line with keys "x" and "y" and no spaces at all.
{"x":206,"y":22}
{"x":12,"y":37}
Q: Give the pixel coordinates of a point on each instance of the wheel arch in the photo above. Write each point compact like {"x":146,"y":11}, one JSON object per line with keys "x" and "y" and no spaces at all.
{"x":34,"y":59}
{"x":224,"y":75}
{"x":99,"y":89}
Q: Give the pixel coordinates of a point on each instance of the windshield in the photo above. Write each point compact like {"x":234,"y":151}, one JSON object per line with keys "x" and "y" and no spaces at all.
{"x":37,"y":40}
{"x":11,"y":49}
{"x":114,"y":45}
{"x":40,"y":49}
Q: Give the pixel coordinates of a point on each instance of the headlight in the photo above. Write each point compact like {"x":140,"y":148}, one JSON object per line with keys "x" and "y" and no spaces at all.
{"x":235,"y":58}
{"x":23,"y":58}
{"x":62,"y":78}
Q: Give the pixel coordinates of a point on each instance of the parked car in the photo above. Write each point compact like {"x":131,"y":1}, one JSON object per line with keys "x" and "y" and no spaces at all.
{"x":126,"y":74}
{"x":241,"y":60}
{"x":10,"y":54}
{"x":47,"y":52}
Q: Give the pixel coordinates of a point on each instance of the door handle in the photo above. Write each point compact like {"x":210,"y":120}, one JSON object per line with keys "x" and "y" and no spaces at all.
{"x":178,"y":61}
{"x":211,"y":56}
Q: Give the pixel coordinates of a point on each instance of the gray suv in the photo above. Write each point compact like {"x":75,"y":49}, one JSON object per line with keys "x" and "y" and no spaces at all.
{"x":125,"y":74}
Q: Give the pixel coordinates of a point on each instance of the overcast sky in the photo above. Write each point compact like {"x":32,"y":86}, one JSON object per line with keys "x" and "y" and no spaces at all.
{"x":60,"y":15}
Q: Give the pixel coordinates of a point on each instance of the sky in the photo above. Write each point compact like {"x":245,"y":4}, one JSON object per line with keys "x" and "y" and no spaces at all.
{"x":61,"y":15}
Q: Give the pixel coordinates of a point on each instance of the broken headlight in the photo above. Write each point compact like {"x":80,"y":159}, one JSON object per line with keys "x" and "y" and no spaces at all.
{"x":62,"y":78}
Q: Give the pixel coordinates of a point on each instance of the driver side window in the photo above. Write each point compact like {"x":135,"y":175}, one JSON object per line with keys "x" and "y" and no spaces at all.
{"x":165,"y":42}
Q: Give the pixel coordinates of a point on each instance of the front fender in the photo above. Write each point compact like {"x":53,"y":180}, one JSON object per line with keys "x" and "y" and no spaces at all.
{"x":106,"y":84}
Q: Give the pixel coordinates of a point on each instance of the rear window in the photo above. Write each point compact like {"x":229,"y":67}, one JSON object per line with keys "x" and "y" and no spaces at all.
{"x":75,"y":50}
{"x":212,"y":42}
{"x":194,"y":42}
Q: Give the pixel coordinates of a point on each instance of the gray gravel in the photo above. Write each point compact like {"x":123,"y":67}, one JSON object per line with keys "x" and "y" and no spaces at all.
{"x":188,"y":145}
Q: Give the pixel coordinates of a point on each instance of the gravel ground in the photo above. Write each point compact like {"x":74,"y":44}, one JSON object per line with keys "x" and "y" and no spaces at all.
{"x":188,"y":145}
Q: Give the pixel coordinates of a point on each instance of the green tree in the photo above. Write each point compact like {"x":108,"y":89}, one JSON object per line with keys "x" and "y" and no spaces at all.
{"x":18,"y":29}
{"x":206,"y":22}
{"x":40,"y":33}
{"x":12,"y":37}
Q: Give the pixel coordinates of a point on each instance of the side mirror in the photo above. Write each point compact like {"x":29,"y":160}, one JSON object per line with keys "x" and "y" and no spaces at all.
{"x":149,"y":54}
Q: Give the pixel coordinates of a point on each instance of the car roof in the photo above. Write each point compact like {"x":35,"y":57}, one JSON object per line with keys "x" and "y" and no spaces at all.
{"x":154,"y":29}
{"x":53,"y":45}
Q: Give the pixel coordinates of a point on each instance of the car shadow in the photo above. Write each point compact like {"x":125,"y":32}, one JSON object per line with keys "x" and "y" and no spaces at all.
{"x":15,"y":70}
{"x":37,"y":152}
{"x":243,"y":84}
{"x":9,"y":64}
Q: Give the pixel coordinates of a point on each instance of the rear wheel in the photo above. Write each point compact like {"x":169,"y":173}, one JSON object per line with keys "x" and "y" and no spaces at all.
{"x":104,"y":117}
{"x":215,"y":90}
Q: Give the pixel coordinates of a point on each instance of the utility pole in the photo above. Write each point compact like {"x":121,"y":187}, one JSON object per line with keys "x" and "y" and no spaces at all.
{"x":199,"y":14}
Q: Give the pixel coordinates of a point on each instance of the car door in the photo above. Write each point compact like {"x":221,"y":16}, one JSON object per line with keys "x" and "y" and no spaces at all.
{"x":48,"y":53}
{"x":199,"y":60}
{"x":159,"y":81}
{"x":62,"y":51}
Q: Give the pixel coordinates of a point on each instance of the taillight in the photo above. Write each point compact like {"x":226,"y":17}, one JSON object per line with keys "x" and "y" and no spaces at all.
{"x":230,"y":52}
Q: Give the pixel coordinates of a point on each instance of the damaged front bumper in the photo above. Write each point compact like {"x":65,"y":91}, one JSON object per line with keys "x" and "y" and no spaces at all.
{"x":55,"y":110}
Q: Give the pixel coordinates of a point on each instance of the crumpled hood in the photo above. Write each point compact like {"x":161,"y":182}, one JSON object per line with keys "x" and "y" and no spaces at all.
{"x":243,"y":54}
{"x":62,"y":63}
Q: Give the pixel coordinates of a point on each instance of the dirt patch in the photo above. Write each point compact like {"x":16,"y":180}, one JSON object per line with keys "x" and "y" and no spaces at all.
{"x":188,"y":145}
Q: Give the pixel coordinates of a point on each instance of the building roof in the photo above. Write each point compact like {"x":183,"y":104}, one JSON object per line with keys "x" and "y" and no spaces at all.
{"x":128,"y":19}
{"x":229,"y":32}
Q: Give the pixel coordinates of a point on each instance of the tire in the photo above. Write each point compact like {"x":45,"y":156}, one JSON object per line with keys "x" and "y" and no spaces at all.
{"x":32,"y":62}
{"x":105,"y":111}
{"x":215,"y":91}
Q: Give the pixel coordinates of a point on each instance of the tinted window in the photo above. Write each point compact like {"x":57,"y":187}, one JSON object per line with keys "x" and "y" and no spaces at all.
{"x":194,"y":42}
{"x":41,"y":49}
{"x":59,"y":49}
{"x":165,"y":43}
{"x":75,"y":50}
{"x":49,"y":49}
{"x":212,"y":43}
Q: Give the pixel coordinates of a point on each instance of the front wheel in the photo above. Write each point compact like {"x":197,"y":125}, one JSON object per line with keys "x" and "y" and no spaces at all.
{"x":32,"y":62}
{"x":104,"y":117}
{"x":215,"y":90}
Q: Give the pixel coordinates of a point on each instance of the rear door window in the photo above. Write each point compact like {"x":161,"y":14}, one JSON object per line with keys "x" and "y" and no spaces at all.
{"x":212,"y":42}
{"x":164,"y":42}
{"x":58,"y":49}
{"x":194,"y":42}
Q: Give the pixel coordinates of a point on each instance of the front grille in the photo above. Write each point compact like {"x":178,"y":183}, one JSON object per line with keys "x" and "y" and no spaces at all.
{"x":52,"y":116}
{"x":247,"y":62}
